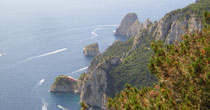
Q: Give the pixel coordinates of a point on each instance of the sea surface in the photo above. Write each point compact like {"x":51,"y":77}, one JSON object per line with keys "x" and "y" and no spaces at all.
{"x":42,"y":39}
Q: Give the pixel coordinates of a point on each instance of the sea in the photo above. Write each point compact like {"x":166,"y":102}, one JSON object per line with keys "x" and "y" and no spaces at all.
{"x":42,"y":39}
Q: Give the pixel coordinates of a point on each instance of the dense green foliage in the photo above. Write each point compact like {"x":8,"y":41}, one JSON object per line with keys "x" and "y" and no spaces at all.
{"x":195,"y":9}
{"x":61,"y":80}
{"x":133,"y":70}
{"x":183,"y":70}
{"x":82,"y":76}
{"x":118,"y":48}
{"x":84,"y":106}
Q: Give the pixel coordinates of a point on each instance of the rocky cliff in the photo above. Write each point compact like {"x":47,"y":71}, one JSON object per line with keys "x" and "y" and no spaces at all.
{"x":95,"y":84}
{"x":173,"y":25}
{"x":129,"y":26}
{"x":168,"y":29}
{"x":91,"y":50}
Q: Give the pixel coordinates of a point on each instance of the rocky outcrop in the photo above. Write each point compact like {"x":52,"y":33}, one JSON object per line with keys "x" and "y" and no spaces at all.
{"x":65,"y":84}
{"x":168,"y":29}
{"x":129,"y":26}
{"x":172,"y":26}
{"x":95,"y":84}
{"x":91,"y":50}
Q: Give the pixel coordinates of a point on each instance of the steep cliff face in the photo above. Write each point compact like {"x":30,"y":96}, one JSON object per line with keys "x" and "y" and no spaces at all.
{"x":169,"y":28}
{"x":172,"y":26}
{"x":129,"y":26}
{"x":95,"y":84}
{"x":91,"y":50}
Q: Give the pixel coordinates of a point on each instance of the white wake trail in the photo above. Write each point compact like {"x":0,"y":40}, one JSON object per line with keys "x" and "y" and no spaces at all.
{"x":42,"y":55}
{"x":94,"y":33}
{"x":82,"y":69}
{"x":99,"y":27}
{"x":50,"y":53}
{"x":44,"y":106}
{"x":61,"y":107}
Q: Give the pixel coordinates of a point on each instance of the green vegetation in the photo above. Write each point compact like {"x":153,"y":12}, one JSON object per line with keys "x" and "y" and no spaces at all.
{"x":84,"y":106}
{"x":133,"y":70}
{"x":195,"y":9}
{"x":62,"y":80}
{"x":119,"y":48}
{"x":183,"y":70}
{"x":82,"y":76}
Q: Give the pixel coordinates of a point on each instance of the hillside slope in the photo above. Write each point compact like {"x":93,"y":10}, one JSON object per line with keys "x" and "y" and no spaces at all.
{"x":183,"y":70}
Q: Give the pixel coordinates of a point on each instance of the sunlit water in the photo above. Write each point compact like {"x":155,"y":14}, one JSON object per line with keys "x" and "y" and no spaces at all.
{"x":41,"y":39}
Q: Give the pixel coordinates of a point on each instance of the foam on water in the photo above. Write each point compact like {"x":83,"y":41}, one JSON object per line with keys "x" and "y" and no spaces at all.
{"x":61,"y":107}
{"x":94,"y":32}
{"x":82,"y":69}
{"x":44,"y":106}
{"x":42,"y":55}
{"x":99,"y":27}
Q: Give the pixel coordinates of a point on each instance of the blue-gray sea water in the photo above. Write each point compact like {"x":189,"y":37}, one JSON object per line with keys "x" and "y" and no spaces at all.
{"x":41,"y":39}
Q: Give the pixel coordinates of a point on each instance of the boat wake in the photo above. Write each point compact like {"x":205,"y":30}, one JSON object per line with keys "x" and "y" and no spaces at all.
{"x":2,"y":54}
{"x":61,"y":107}
{"x":94,"y":32}
{"x":44,"y":106}
{"x":82,"y":69}
{"x":99,"y":27}
{"x":42,"y":55}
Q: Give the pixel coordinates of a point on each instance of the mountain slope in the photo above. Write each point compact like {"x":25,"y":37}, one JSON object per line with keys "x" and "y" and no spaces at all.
{"x":183,"y":73}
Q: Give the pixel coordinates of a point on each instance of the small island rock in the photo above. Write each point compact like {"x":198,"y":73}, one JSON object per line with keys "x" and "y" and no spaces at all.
{"x":64,"y":84}
{"x":91,"y":50}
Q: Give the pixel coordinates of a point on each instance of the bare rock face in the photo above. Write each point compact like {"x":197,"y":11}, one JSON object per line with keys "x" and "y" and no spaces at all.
{"x":64,"y":84}
{"x":171,"y":27}
{"x":129,"y":26}
{"x":95,"y":84}
{"x":91,"y":50}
